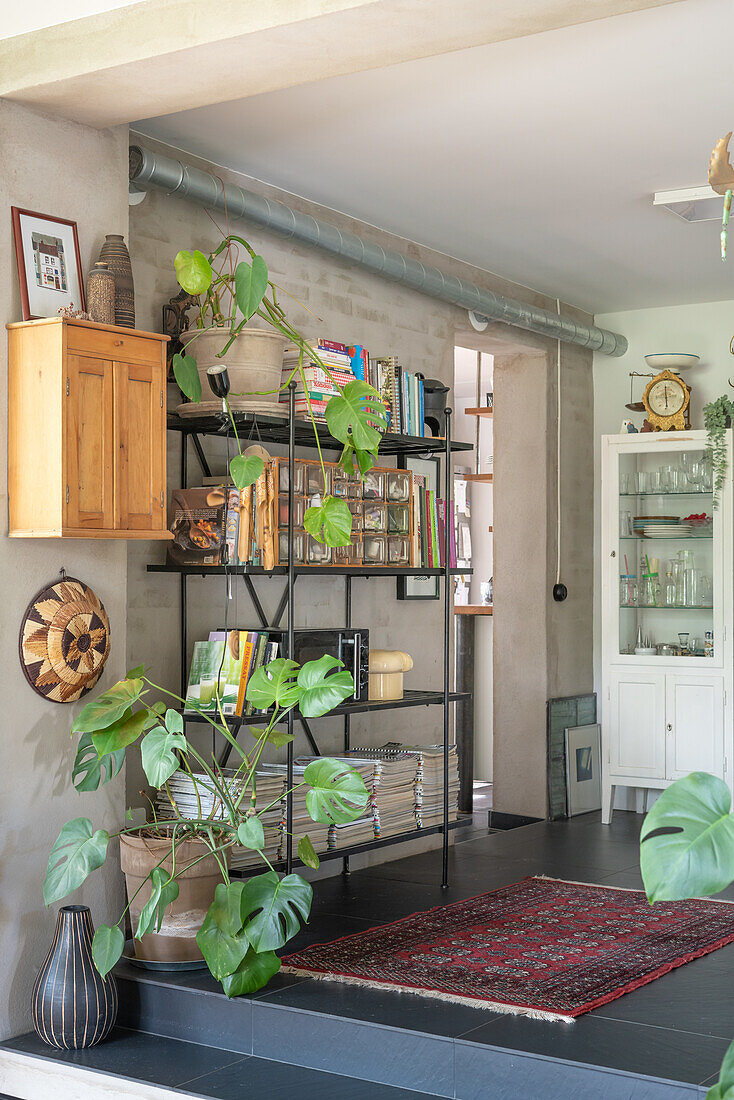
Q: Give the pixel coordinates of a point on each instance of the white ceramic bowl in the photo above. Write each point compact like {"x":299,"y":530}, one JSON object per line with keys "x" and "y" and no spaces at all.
{"x":678,"y":360}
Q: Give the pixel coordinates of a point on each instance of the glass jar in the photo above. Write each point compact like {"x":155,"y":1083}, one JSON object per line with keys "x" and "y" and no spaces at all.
{"x":628,"y":590}
{"x":669,"y":590}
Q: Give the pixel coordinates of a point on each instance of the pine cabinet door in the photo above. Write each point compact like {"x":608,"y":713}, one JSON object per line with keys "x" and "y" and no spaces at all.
{"x":637,"y":725}
{"x":695,"y":725}
{"x":89,"y":443}
{"x":140,"y":442}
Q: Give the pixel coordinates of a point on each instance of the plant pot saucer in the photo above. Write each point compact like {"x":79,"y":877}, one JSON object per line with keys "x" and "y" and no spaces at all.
{"x":162,"y":965}
{"x":237,"y":404}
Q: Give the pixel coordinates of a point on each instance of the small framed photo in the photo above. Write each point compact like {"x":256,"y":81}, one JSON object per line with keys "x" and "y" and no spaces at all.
{"x":583,"y":785}
{"x":426,"y":475}
{"x":49,"y":264}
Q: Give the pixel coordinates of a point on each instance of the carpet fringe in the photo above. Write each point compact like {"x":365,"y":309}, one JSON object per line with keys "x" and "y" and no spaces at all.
{"x":437,"y":994}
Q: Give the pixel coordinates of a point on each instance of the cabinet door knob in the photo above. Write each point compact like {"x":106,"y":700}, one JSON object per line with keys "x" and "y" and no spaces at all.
{"x":669,"y":728}
{"x":119,"y":343}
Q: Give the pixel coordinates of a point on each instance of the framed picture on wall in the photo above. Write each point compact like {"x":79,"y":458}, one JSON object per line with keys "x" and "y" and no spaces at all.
{"x":583,"y":772}
{"x":421,"y":588}
{"x":49,"y":264}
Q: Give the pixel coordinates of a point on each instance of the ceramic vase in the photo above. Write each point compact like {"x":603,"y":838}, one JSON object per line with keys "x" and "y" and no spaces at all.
{"x":73,"y":1006}
{"x":101,"y":294}
{"x":115,"y":254}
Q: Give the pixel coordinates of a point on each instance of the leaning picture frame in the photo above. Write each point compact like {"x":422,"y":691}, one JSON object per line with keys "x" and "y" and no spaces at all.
{"x":583,"y":768}
{"x":421,"y":588}
{"x":49,"y":263}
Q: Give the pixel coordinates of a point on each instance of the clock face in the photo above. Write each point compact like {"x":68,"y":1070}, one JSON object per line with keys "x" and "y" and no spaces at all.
{"x":666,"y":397}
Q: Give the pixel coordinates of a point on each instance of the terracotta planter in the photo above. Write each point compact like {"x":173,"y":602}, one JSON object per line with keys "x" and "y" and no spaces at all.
{"x":254,"y":363}
{"x":176,"y":940}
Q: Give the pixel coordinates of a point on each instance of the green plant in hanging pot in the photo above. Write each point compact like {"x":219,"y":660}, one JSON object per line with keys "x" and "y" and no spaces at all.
{"x":177,"y":869}
{"x":717,"y":417}
{"x":232,"y":292}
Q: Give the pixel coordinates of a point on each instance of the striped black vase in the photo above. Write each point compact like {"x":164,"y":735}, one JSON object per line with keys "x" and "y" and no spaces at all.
{"x":73,"y":1006}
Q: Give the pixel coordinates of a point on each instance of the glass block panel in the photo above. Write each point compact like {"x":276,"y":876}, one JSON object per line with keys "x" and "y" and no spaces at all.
{"x":398,"y":486}
{"x":374,"y":517}
{"x":374,"y":549}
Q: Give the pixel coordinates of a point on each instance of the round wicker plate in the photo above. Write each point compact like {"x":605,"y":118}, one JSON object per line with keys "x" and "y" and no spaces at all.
{"x":64,"y":641}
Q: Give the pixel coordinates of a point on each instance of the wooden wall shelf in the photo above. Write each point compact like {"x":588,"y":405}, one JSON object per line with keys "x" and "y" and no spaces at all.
{"x":473,"y":609}
{"x":479,"y":412}
{"x":478,"y":477}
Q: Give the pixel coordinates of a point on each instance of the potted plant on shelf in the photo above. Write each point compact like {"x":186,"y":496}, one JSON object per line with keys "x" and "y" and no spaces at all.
{"x":177,"y":870}
{"x":717,"y":417}
{"x":231,"y":292}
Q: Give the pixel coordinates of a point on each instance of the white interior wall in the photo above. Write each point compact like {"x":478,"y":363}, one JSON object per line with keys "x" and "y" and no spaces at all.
{"x":702,"y":328}
{"x":58,"y":168}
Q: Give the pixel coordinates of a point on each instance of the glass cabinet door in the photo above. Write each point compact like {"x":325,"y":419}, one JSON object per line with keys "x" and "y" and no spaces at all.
{"x":668,"y":583}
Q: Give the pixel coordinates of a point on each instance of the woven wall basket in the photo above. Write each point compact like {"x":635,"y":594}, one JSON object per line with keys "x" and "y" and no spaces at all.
{"x":64,"y":641}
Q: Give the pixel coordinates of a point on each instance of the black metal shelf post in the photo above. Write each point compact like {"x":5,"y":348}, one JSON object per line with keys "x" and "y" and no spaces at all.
{"x":278,"y":430}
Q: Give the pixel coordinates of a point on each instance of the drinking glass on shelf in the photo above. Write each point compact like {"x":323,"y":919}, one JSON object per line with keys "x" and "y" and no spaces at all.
{"x":625,"y":484}
{"x":683,"y":639}
{"x":625,"y":524}
{"x":641,"y":481}
{"x":707,"y":474}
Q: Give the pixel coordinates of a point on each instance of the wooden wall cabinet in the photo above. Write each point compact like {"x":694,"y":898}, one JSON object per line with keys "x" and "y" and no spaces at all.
{"x":86,"y":431}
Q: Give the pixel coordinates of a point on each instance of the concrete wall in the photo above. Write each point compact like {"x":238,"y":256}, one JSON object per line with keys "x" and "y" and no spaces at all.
{"x":74,"y":172}
{"x":348,"y":304}
{"x":704,"y":328}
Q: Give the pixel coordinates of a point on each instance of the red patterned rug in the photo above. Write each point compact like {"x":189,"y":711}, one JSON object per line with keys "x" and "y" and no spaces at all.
{"x":542,"y":947}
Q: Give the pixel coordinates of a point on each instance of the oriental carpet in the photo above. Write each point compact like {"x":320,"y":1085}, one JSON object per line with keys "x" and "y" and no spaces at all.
{"x":541,"y":947}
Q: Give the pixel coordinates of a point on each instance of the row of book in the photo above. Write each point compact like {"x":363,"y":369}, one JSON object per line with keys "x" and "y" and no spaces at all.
{"x":402,"y":391}
{"x":405,"y":785}
{"x":429,"y":527}
{"x":221,"y":667}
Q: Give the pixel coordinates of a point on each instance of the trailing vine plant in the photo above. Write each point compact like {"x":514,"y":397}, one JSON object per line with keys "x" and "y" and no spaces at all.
{"x":247,"y":921}
{"x":230,"y":293}
{"x":718,"y":415}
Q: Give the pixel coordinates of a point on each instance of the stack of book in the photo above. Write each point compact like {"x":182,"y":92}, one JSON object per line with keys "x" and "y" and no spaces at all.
{"x":429,"y":785}
{"x":316,"y":384}
{"x":429,"y":525}
{"x":402,"y":393}
{"x":393,"y":794}
{"x":268,"y":793}
{"x":419,"y":768}
{"x":222,"y":666}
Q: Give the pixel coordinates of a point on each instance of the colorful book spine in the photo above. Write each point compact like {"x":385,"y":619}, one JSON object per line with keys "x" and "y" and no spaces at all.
{"x":232,"y":525}
{"x":257,"y":663}
{"x":246,"y":663}
{"x":434,"y":526}
{"x":452,"y":537}
{"x":441,"y":532}
{"x":421,"y":409}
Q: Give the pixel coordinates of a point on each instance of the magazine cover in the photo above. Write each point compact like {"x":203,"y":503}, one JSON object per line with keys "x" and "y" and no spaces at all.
{"x":197,"y":523}
{"x":216,"y":668}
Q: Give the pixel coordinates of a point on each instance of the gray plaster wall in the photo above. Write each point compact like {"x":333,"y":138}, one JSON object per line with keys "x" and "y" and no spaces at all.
{"x":538,"y":650}
{"x":58,"y":168}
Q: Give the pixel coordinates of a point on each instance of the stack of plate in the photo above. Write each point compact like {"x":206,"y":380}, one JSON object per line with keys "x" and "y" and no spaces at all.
{"x":639,"y":523}
{"x":667,"y":530}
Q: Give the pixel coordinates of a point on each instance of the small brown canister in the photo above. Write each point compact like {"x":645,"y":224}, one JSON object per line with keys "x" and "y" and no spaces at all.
{"x":101,"y":294}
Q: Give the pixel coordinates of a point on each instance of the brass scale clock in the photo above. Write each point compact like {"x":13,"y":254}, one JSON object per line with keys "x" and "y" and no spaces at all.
{"x":667,"y":401}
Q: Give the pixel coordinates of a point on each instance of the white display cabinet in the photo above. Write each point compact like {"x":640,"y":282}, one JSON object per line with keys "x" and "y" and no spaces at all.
{"x":667,"y":584}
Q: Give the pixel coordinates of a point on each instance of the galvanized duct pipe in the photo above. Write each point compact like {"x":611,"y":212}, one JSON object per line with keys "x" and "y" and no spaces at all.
{"x":149,"y":170}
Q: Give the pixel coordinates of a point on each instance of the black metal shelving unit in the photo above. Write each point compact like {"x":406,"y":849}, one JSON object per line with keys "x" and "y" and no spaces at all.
{"x":287,"y":430}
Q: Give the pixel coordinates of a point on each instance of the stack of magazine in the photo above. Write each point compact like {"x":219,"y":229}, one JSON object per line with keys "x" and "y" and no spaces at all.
{"x":222,"y":666}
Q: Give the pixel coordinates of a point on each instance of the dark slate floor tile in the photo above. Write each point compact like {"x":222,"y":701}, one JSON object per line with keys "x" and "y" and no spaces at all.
{"x":134,"y":1055}
{"x":327,"y":1042}
{"x":322,"y":928}
{"x":634,"y":1048}
{"x":187,"y":1014}
{"x":696,"y":997}
{"x":382,"y":1006}
{"x":258,"y":1077}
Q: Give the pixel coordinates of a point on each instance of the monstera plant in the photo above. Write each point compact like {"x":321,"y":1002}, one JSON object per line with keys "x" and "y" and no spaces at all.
{"x":247,"y":921}
{"x":230,"y":292}
{"x":687,"y":851}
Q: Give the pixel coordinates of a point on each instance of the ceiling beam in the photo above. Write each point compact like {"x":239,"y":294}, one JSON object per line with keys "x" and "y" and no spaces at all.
{"x":160,"y":56}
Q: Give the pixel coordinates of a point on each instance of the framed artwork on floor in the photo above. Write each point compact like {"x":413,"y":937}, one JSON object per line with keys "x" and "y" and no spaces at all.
{"x":583,"y":785}
{"x":421,"y":588}
{"x":49,"y":264}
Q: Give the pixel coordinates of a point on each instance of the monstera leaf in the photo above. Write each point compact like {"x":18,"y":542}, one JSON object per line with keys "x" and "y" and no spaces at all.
{"x":255,"y":971}
{"x":724,"y":1087}
{"x":78,"y":851}
{"x":330,"y":522}
{"x":245,"y":470}
{"x":273,"y":908}
{"x":274,"y":685}
{"x":107,"y":947}
{"x":108,"y":707}
{"x":250,"y":284}
{"x":250,"y":834}
{"x":322,"y":690}
{"x":92,"y":770}
{"x":221,"y":938}
{"x":273,"y":737}
{"x":163,"y":890}
{"x":119,"y":735}
{"x":687,"y":840}
{"x":337,"y":794}
{"x":158,"y":754}
{"x":187,"y":376}
{"x":350,"y":417}
{"x":193,"y":271}
{"x":307,"y":852}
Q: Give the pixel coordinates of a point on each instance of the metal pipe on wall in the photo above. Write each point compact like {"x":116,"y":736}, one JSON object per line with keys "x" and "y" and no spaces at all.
{"x":152,"y":170}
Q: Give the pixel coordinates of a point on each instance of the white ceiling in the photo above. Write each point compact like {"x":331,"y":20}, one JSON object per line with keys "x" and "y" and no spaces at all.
{"x":534,"y":158}
{"x":24,"y":18}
